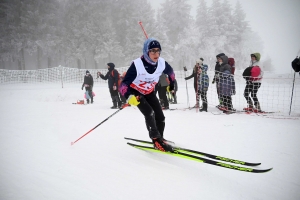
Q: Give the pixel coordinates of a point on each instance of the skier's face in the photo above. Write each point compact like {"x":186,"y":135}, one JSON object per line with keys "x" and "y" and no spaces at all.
{"x":154,"y":54}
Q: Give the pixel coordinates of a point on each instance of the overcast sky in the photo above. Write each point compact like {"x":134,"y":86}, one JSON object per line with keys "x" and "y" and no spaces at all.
{"x":276,"y":21}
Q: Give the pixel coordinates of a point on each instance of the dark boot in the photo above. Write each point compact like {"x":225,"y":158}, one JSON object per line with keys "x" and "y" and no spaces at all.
{"x":204,"y":107}
{"x":114,"y":102}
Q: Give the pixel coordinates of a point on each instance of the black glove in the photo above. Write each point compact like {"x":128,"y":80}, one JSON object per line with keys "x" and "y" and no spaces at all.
{"x":171,"y":87}
{"x":185,"y":78}
{"x":82,"y":88}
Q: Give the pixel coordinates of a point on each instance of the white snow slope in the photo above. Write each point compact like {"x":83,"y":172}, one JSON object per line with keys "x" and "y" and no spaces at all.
{"x":37,"y":162}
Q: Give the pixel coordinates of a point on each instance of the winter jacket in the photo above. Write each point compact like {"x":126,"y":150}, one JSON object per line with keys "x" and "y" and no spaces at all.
{"x":112,"y":76}
{"x":217,"y":68}
{"x":253,"y":73}
{"x":88,"y":81}
{"x":296,"y":64}
{"x":226,"y":80}
{"x":193,"y":75}
{"x":163,"y":80}
{"x":203,"y":81}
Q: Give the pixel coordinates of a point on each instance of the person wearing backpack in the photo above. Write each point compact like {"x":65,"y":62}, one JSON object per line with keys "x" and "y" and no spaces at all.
{"x":253,"y":76}
{"x":226,"y":84}
{"x":216,"y":79}
{"x":113,"y":84}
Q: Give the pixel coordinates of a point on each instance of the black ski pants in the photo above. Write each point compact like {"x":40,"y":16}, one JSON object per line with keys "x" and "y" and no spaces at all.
{"x":251,"y":88}
{"x":154,"y":116}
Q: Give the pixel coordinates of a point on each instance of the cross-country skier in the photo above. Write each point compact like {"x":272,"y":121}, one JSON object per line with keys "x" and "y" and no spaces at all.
{"x":138,"y":88}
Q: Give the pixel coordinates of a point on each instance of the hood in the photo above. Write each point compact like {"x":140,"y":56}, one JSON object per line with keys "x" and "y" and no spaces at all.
{"x":220,"y":54}
{"x":257,"y":55}
{"x":224,"y":59}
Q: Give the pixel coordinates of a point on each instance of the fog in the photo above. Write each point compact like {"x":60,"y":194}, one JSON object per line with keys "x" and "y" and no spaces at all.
{"x":276,"y":22}
{"x":89,"y":34}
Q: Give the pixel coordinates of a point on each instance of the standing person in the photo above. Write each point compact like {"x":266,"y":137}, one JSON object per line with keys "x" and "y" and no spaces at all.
{"x":226,"y":84}
{"x":123,"y":99}
{"x":253,"y":75}
{"x":88,"y":83}
{"x":172,"y":95}
{"x":162,"y":85}
{"x":138,"y":88}
{"x":203,"y":84}
{"x":216,"y":78}
{"x":195,"y":74}
{"x":113,"y":77}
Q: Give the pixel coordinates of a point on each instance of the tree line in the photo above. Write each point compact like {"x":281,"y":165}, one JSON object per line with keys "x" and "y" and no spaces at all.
{"x":90,"y":33}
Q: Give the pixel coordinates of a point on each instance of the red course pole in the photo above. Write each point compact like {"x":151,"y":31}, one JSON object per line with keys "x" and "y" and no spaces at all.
{"x":143,"y":29}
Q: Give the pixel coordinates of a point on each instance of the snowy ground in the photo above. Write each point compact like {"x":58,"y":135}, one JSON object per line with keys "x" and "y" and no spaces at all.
{"x":37,"y":162}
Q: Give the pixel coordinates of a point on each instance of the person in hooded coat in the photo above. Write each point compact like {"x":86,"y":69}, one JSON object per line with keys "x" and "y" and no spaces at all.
{"x":88,"y":83}
{"x":216,"y":79}
{"x":226,"y":84}
{"x":138,"y":88}
{"x":253,"y":76}
{"x":113,"y":77}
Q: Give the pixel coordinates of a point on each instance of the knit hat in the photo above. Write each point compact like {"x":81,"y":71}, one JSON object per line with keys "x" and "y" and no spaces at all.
{"x":202,"y":59}
{"x":87,"y":72}
{"x":150,"y":44}
{"x":154,"y":44}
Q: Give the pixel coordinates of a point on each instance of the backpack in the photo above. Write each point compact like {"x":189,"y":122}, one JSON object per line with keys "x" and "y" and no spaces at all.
{"x":231,"y":62}
{"x":255,"y":73}
{"x":119,"y":79}
{"x":296,"y":64}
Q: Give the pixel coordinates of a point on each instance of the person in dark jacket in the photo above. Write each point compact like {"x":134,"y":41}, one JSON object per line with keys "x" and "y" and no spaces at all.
{"x":138,"y":88}
{"x":216,"y":78}
{"x":113,"y":77}
{"x":161,"y":88}
{"x":226,"y":84}
{"x":195,"y":74}
{"x":88,"y":83}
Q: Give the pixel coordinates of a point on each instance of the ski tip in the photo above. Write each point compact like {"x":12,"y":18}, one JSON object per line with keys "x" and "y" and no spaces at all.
{"x":72,"y":143}
{"x":253,"y":164}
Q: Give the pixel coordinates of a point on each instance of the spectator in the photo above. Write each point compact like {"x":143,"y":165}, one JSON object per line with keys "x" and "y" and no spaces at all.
{"x":194,"y":75}
{"x":226,"y":84}
{"x":88,"y":83}
{"x":113,"y":77}
{"x":161,"y":88}
{"x":253,"y":76}
{"x":216,"y":78}
{"x":203,"y":84}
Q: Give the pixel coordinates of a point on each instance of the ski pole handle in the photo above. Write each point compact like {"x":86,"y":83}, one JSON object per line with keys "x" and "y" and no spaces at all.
{"x":143,"y":29}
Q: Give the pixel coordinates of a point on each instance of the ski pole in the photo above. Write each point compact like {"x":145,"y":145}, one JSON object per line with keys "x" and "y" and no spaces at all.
{"x":187,"y":92}
{"x":143,"y":29}
{"x":100,"y":124}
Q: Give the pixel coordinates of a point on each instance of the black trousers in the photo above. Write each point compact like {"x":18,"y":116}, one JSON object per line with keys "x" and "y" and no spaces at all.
{"x":227,"y":101}
{"x":162,"y":94}
{"x":251,"y":88}
{"x":203,"y":95}
{"x":115,"y":97}
{"x":154,"y":116}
